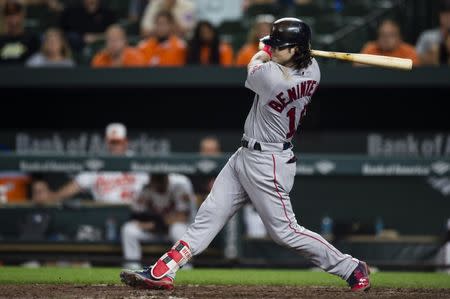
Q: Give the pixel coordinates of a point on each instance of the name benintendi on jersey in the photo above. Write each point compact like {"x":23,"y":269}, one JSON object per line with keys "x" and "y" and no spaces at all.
{"x":301,"y":90}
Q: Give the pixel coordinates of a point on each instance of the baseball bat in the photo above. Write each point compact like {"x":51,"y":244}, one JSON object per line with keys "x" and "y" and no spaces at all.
{"x":375,"y":60}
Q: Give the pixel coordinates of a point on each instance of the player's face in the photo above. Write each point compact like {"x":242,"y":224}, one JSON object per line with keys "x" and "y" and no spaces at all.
{"x":282,"y":55}
{"x":117,"y":147}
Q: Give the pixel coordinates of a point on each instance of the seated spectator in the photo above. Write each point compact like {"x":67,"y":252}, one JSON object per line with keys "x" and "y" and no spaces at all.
{"x":164,"y":208}
{"x":218,"y":11}
{"x":429,"y":41}
{"x":55,"y":51}
{"x":86,"y":22}
{"x":389,"y":43}
{"x":165,"y":48}
{"x":16,"y":45}
{"x":107,"y":186}
{"x":183,"y":12}
{"x":205,"y":47}
{"x":261,"y":28}
{"x":117,"y":53}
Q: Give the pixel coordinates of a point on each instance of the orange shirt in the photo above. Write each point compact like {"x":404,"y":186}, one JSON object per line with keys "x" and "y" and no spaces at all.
{"x":171,"y":52}
{"x":246,"y":53}
{"x":130,"y":58}
{"x":225,"y":54}
{"x":403,"y":51}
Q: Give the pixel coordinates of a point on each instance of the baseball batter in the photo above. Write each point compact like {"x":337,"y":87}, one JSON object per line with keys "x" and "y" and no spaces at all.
{"x":284,"y":77}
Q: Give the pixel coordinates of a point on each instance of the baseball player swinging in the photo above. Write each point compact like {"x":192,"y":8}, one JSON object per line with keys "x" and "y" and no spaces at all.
{"x":284,"y":77}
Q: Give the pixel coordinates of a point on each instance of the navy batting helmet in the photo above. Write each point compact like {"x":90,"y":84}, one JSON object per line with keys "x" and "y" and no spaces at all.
{"x":289,"y":32}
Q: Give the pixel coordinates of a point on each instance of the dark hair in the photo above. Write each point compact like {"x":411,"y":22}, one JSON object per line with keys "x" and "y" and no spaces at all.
{"x":302,"y":57}
{"x":196,"y":44}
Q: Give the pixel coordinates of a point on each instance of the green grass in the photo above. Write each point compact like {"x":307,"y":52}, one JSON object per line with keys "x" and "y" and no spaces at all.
{"x":16,"y":275}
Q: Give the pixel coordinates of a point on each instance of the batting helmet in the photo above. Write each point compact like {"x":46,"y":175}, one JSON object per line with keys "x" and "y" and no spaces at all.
{"x":289,"y":32}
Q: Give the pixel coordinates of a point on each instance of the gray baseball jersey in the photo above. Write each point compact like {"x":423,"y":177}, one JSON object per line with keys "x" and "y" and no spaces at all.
{"x":282,"y":95}
{"x":265,"y":175}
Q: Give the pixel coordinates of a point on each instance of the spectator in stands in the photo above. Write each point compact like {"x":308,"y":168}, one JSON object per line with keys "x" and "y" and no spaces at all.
{"x":55,"y":51}
{"x":205,"y":47}
{"x":117,"y":53}
{"x":86,"y":22}
{"x":183,"y":12}
{"x":389,"y":43}
{"x":40,"y":191}
{"x":428,"y":43}
{"x":16,"y":45}
{"x":165,"y":48}
{"x":261,"y":28}
{"x":164,"y":208}
{"x":107,"y":186}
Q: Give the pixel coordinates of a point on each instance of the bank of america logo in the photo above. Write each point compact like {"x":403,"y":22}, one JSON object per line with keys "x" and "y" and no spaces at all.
{"x":325,"y":167}
{"x":94,"y":164}
{"x":440,"y":167}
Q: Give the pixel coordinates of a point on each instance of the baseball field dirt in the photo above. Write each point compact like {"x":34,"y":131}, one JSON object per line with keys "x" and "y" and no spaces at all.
{"x":209,"y":291}
{"x":48,"y":282}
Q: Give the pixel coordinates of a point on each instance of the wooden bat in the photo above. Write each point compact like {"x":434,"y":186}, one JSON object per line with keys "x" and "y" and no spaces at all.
{"x":375,"y":60}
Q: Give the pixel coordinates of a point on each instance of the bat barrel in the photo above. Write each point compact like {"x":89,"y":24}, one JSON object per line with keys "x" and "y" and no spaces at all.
{"x":374,"y":60}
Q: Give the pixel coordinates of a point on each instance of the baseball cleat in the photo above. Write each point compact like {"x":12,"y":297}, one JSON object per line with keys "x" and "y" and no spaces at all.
{"x":359,"y":279}
{"x":143,"y":279}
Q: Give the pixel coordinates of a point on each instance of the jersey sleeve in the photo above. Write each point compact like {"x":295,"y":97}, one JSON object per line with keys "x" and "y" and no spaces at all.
{"x":259,"y":77}
{"x":85,"y":180}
